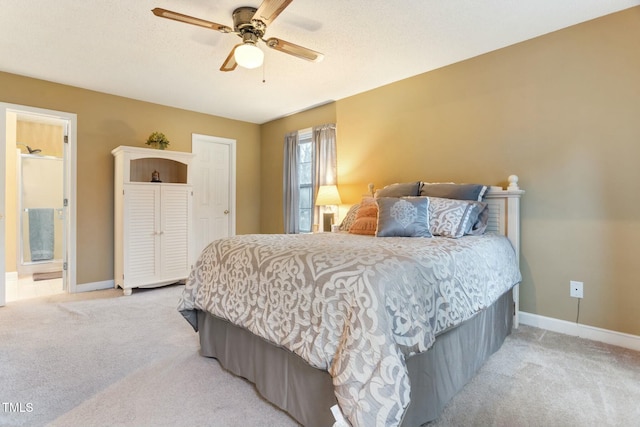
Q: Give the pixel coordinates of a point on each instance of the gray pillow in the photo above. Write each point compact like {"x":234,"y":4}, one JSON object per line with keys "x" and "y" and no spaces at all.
{"x":403,"y":189}
{"x":478,"y":219}
{"x":450,"y":217}
{"x":454,"y":191}
{"x":403,"y":217}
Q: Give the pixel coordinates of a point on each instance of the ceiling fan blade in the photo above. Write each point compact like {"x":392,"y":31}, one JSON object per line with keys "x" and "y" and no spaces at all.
{"x":294,"y":49}
{"x":164,"y":13}
{"x":270,"y":9}
{"x":230,"y":63}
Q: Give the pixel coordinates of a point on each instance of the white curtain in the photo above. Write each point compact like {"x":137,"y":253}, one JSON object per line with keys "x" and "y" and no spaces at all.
{"x":290,"y":190}
{"x":325,"y":161}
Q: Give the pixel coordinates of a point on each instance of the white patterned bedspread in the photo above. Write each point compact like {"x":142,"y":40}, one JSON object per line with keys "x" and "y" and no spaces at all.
{"x":352,"y":305}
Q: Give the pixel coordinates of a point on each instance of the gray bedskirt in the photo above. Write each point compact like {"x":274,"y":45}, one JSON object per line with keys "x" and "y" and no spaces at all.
{"x":306,"y":393}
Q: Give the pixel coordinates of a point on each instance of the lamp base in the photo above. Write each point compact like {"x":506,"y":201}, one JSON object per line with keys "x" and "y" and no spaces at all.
{"x":327,"y":221}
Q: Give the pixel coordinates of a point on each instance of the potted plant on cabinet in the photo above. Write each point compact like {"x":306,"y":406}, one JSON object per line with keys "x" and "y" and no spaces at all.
{"x":158,"y":140}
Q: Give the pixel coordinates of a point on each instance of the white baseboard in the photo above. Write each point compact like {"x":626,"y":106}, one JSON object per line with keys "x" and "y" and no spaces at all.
{"x":583,"y":331}
{"x":94,"y":286}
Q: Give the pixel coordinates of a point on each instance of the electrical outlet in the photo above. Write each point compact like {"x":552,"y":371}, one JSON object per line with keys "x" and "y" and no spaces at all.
{"x":576,"y":289}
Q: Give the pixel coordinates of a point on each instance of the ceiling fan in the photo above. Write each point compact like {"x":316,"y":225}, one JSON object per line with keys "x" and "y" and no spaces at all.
{"x":249,"y":24}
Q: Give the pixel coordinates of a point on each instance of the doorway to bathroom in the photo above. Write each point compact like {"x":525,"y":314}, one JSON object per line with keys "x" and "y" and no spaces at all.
{"x":38,"y":151}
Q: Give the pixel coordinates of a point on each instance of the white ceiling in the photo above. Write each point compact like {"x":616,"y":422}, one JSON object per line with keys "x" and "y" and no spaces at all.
{"x":120,"y":47}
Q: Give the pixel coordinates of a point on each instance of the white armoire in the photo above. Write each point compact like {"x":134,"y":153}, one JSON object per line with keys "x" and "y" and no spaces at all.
{"x":152,"y":217}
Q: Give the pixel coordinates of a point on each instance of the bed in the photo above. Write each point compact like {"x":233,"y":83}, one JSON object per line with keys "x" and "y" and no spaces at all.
{"x":386,"y":328}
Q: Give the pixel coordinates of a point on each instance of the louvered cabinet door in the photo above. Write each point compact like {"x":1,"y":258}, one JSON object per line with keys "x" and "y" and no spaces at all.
{"x":142,"y":227}
{"x":175,"y":214}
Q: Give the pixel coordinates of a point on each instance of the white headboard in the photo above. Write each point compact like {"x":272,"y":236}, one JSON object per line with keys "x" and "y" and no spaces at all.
{"x":504,"y":218}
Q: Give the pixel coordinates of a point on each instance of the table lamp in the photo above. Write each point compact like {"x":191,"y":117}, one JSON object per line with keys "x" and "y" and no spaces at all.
{"x":328,"y":197}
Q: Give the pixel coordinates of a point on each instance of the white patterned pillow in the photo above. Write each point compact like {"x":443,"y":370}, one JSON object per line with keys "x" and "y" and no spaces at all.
{"x":453,"y":218}
{"x":403,"y":217}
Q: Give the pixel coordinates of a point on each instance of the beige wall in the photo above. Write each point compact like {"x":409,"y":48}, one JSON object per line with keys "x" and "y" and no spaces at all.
{"x":562,"y":112}
{"x":107,"y":121}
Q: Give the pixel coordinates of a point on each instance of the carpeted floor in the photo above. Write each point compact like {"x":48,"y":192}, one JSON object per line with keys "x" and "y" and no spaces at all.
{"x":541,"y":378}
{"x":103,"y":359}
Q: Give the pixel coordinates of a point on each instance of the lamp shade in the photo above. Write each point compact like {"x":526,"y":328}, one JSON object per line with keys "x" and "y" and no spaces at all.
{"x":249,"y":55}
{"x":328,"y":195}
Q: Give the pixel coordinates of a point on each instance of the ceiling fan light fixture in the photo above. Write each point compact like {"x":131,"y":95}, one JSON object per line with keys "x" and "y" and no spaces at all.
{"x":250,"y":24}
{"x":249,"y":56}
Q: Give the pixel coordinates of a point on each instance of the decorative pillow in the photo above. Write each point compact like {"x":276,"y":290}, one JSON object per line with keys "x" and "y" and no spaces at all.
{"x":452,"y":218}
{"x":403,"y":217}
{"x":400,"y":190}
{"x":349,"y":218}
{"x":454,"y":191}
{"x":366,"y":218}
{"x":479,"y":218}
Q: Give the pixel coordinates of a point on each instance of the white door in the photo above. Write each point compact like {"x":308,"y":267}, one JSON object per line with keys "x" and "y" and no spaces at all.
{"x":8,"y":116}
{"x":213,"y":190}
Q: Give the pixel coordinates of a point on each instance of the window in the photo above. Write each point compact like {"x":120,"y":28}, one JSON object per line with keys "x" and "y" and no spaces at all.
{"x":305,"y":180}
{"x":309,"y":161}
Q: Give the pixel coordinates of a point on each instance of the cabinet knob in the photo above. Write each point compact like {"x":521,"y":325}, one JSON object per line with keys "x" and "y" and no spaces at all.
{"x":226,"y":211}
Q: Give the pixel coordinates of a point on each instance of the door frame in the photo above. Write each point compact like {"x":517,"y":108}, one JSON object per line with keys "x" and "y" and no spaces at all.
{"x":199,"y":138}
{"x":70,"y":162}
